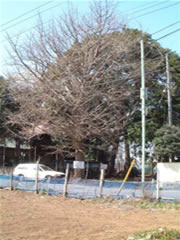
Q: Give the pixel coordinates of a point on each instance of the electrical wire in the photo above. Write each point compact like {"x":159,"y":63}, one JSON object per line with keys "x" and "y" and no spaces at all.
{"x":131,"y":10}
{"x":156,"y":10}
{"x":49,"y":21}
{"x":27,"y":30}
{"x":134,"y":18}
{"x":3,"y":30}
{"x":165,"y":27}
{"x":153,"y":5}
{"x":126,"y":65}
{"x":26,"y":13}
{"x":168,"y":34}
{"x":61,"y":3}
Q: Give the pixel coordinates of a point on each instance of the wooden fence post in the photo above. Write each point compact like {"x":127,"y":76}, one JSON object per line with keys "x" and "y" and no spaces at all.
{"x":11,"y":180}
{"x":66,"y":180}
{"x":47,"y":186}
{"x":101,"y":183}
{"x":36,"y":180}
{"x":157,"y":186}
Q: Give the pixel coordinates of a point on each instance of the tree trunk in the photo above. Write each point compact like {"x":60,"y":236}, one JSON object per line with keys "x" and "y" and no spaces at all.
{"x":4,"y":155}
{"x":17,"y":151}
{"x":60,"y":163}
{"x":111,"y":165}
{"x":127,"y":156}
{"x":30,"y":157}
{"x":79,"y":157}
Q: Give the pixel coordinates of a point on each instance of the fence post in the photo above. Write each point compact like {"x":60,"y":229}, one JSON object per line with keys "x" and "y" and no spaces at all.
{"x":157,"y":190}
{"x":36,"y":179}
{"x":101,"y":183}
{"x":47,"y":186}
{"x":66,"y":180}
{"x":157,"y":186}
{"x":11,"y":180}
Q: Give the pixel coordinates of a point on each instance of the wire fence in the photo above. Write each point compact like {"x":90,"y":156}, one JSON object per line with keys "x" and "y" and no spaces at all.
{"x":168,"y":190}
{"x":83,"y":189}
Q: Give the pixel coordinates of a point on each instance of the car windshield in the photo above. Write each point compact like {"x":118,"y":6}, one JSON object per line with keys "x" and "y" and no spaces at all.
{"x":45,"y":168}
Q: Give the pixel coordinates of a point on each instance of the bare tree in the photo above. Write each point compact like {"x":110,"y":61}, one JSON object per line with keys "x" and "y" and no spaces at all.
{"x":75,"y":79}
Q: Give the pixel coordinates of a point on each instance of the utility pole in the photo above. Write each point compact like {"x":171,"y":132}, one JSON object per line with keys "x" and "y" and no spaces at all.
{"x":169,"y":96}
{"x":169,"y":92}
{"x":143,"y":112}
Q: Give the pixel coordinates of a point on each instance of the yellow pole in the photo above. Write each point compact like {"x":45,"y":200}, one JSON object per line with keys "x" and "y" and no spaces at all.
{"x":126,"y":177}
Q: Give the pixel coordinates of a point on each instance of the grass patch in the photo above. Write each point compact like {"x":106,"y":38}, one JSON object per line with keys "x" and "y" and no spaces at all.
{"x":159,"y":234}
{"x":42,"y":192}
{"x":143,"y":203}
{"x":148,"y":204}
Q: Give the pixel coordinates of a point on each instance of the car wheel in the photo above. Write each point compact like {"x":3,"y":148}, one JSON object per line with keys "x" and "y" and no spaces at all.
{"x":21,"y":177}
{"x":48,"y":177}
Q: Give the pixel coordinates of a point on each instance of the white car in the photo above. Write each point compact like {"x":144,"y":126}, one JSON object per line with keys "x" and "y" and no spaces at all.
{"x":29,"y":170}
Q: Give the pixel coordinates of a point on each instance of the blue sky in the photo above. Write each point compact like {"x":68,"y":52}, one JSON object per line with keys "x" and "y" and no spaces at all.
{"x":157,"y":15}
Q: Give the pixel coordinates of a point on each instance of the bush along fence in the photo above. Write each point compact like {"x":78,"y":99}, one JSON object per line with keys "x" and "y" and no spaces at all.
{"x":83,"y":188}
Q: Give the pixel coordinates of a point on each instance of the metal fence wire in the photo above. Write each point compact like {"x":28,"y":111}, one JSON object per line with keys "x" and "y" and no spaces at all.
{"x":83,"y":189}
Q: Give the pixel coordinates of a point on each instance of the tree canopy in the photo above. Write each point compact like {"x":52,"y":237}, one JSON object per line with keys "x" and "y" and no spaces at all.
{"x":167,"y":143}
{"x":79,"y":81}
{"x":5,"y":104}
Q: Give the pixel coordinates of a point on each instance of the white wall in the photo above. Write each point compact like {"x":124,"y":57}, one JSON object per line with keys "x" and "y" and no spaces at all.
{"x":168,"y":172}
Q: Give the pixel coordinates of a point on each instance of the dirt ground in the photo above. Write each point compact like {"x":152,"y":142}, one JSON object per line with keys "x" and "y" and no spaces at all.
{"x":26,"y":216}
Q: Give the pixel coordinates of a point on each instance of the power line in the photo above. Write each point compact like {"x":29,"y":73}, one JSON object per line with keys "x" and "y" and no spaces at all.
{"x":30,"y":17}
{"x":142,"y":9}
{"x":132,"y":18}
{"x":58,"y":4}
{"x":48,"y":21}
{"x":53,"y":7}
{"x":27,"y":30}
{"x":26,"y":13}
{"x":151,"y":6}
{"x":125,"y":65}
{"x":168,"y":34}
{"x":131,"y":10}
{"x":166,"y":27}
{"x":156,"y":10}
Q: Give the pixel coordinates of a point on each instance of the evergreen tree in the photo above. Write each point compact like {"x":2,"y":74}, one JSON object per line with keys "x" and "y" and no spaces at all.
{"x":167,"y":143}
